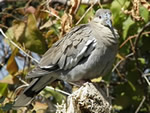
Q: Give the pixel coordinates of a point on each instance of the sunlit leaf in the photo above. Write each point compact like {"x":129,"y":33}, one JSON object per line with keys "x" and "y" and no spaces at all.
{"x":126,"y":25}
{"x":19,"y":29}
{"x":40,"y":106}
{"x":12,"y":66}
{"x":132,"y":86}
{"x":116,"y":7}
{"x":117,"y":107}
{"x":142,"y":60}
{"x":28,"y":34}
{"x":97,"y":79}
{"x":81,"y":12}
{"x":34,"y":40}
{"x":16,"y":31}
{"x":144,"y":13}
{"x":3,"y":89}
{"x":8,"y":79}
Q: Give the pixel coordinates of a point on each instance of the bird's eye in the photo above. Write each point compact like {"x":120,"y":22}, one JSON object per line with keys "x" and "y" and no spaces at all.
{"x":100,"y":17}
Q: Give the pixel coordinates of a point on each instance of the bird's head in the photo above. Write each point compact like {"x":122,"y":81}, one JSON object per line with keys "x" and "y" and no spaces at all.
{"x":103,"y":16}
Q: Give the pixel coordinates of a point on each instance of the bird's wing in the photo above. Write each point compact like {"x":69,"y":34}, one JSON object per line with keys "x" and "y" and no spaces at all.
{"x":77,"y":45}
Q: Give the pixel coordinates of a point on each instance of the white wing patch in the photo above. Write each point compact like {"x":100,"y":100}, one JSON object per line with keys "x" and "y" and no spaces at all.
{"x":46,"y":67}
{"x":85,"y":51}
{"x":67,"y":62}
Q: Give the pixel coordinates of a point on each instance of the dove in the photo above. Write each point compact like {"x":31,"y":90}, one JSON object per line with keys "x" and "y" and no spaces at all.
{"x":87,"y":51}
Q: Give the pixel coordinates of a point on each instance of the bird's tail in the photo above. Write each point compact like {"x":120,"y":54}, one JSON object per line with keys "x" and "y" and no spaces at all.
{"x":32,"y":90}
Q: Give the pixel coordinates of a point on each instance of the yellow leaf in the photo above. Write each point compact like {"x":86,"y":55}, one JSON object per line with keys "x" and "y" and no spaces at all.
{"x":12,"y":66}
{"x":97,"y":79}
{"x":40,"y":106}
{"x":19,"y":30}
{"x":8,"y":80}
{"x":16,"y":31}
{"x":120,"y":57}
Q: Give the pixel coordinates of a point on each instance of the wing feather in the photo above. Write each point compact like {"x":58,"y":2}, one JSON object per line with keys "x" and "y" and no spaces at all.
{"x":67,"y":52}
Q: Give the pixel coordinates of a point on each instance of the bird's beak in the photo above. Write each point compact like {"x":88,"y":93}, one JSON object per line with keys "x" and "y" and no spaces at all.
{"x":109,"y":23}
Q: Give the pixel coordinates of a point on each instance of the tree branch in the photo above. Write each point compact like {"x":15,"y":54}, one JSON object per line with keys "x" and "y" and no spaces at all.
{"x":87,"y":99}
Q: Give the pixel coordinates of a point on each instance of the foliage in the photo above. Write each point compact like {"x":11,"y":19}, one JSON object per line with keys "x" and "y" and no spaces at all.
{"x":35,"y":25}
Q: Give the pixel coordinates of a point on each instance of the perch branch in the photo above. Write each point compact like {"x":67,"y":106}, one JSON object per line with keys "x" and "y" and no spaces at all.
{"x":87,"y":98}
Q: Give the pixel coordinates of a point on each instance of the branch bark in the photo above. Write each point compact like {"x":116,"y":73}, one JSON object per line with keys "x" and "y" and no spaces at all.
{"x":87,"y":99}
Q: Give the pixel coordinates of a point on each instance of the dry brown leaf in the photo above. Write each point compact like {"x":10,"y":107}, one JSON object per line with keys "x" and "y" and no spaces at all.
{"x":30,"y":9}
{"x":40,"y":106}
{"x":66,"y":20}
{"x":74,"y":6}
{"x":145,"y":4}
{"x":53,"y":11}
{"x":66,"y":23}
{"x":134,"y":12}
{"x":12,"y":66}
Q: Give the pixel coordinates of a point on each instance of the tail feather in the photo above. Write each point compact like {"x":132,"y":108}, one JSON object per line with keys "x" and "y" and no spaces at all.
{"x":32,"y":90}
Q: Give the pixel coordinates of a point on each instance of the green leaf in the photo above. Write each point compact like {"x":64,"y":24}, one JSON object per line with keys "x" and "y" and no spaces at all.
{"x":144,"y":13}
{"x":3,"y":89}
{"x":126,"y":25}
{"x":81,"y":12}
{"x":16,"y":32}
{"x":2,"y":99}
{"x":132,"y":86}
{"x":58,"y":97}
{"x":116,"y":7}
{"x":34,"y":40}
{"x":28,"y":35}
{"x":8,"y":106}
{"x":142,"y":60}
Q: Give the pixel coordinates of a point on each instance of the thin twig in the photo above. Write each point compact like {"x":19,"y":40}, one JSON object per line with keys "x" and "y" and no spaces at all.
{"x":85,"y":13}
{"x":118,"y":73}
{"x":58,"y":90}
{"x":140,"y":33}
{"x":47,"y":5}
{"x":132,"y":46}
{"x":143,"y":100}
{"x":25,"y":84}
{"x":28,"y":3}
{"x":136,"y":43}
{"x":18,"y":46}
{"x":100,"y":5}
{"x":144,"y":75}
{"x":3,"y":26}
{"x":127,"y":56}
{"x":131,"y":37}
{"x":10,"y":15}
{"x":147,"y":74}
{"x":51,"y":14}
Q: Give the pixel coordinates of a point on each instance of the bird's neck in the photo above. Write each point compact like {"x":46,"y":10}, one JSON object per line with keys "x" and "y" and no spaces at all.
{"x":108,"y":36}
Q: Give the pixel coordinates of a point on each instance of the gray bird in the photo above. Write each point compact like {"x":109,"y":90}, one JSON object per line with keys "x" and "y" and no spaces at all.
{"x":86,"y":52}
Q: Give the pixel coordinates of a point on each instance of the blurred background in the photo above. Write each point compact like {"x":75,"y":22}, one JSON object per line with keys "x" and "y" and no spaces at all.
{"x":34,"y":25}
